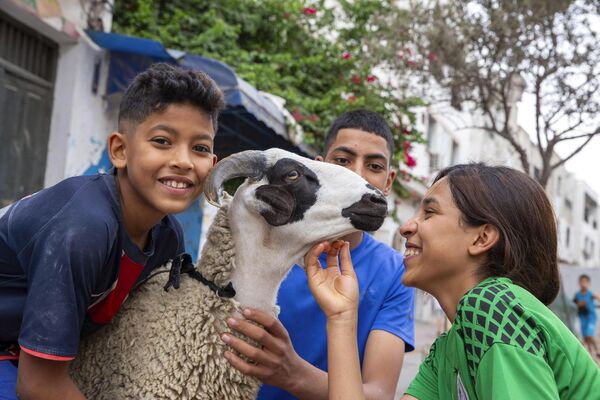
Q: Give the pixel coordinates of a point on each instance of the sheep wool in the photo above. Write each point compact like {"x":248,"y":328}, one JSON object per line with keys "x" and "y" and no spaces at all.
{"x":166,"y":345}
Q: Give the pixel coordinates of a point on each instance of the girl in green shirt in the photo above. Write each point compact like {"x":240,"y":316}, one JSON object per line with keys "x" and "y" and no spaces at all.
{"x":484,"y":244}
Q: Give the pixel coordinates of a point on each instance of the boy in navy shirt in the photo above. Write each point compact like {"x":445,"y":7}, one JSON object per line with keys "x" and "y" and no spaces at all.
{"x":71,"y":253}
{"x":292,"y":358}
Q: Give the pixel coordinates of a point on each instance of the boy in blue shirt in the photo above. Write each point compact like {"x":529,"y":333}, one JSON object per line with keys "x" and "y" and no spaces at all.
{"x":292,"y":358}
{"x":586,"y":310}
{"x":71,"y":253}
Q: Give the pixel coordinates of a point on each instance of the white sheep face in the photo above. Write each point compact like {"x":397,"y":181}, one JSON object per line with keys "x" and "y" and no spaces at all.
{"x":305,"y":201}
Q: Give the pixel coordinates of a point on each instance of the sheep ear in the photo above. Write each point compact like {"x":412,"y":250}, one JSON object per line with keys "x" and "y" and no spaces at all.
{"x":250,"y":163}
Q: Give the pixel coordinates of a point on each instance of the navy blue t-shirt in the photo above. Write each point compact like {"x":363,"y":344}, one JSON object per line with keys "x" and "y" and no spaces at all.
{"x":67,"y":264}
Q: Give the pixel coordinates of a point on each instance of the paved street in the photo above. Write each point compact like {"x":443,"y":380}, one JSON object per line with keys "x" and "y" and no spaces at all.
{"x":425,"y":334}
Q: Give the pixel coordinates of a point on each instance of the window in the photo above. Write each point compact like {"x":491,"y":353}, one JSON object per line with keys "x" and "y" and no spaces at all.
{"x":537,"y":173}
{"x":568,"y":204}
{"x":568,"y":236}
{"x":590,"y":209}
{"x":454,"y":153}
{"x":434,"y":161}
{"x":431,"y":129}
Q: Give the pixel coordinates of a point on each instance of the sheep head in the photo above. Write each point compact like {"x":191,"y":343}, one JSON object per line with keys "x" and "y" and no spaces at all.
{"x":298,"y":197}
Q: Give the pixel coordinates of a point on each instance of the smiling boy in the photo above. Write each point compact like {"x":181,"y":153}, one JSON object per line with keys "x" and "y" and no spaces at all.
{"x":292,"y":359}
{"x":70,"y":254}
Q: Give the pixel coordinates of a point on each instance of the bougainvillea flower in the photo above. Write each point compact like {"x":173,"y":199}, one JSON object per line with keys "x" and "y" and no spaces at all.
{"x":410,"y":161}
{"x":310,"y":10}
{"x":297,"y":116}
{"x":356,"y":79}
{"x":346,"y":55}
{"x":371,"y":78}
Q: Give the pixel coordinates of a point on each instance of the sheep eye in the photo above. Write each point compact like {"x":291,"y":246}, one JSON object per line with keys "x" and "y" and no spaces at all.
{"x":292,"y":176}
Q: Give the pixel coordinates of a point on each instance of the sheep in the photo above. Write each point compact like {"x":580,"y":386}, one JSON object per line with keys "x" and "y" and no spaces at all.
{"x":166,"y":345}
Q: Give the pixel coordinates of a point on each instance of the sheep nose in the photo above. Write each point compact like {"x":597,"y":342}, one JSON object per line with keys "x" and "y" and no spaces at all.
{"x":368,"y":213}
{"x":378,"y":200}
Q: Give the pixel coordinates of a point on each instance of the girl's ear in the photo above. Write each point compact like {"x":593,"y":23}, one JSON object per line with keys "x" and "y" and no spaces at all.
{"x":487,"y":236}
{"x":117,"y":149}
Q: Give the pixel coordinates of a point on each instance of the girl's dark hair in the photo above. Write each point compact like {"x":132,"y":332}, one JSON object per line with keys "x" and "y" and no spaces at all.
{"x":518,"y":207}
{"x":164,"y":84}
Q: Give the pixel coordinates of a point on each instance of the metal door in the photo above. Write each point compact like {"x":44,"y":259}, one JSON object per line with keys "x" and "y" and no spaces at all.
{"x":27,"y":69}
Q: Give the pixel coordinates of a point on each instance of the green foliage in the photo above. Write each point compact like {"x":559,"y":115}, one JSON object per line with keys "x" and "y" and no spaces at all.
{"x":313,"y":56}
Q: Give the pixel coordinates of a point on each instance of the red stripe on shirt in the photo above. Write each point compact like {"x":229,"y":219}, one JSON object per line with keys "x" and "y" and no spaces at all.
{"x":104,"y":311}
{"x":46,"y":356}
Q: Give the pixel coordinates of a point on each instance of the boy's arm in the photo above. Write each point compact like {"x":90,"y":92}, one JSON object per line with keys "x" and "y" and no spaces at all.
{"x":277,"y":363}
{"x":45,"y":379}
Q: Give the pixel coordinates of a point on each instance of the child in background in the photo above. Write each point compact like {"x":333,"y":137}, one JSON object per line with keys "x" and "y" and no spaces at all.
{"x":586,"y":310}
{"x":483,"y":243}
{"x":71,"y":253}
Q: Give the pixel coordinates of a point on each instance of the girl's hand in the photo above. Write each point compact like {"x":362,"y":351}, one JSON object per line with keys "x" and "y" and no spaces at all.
{"x":336,"y":291}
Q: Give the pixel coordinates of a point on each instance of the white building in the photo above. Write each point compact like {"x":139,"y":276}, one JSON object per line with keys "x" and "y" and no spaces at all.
{"x":51,"y":100}
{"x":452,"y":140}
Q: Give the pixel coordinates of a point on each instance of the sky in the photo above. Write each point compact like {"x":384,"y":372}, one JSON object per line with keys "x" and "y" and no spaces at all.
{"x":585,"y":165}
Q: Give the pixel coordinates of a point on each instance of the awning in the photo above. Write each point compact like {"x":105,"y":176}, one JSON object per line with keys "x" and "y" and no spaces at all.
{"x":250,"y":121}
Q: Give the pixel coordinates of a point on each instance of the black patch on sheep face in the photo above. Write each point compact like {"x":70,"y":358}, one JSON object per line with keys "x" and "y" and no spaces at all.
{"x":368,"y":213}
{"x":291,"y":191}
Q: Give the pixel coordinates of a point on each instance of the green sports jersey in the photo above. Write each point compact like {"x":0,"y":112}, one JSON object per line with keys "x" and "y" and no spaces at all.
{"x":505,"y":344}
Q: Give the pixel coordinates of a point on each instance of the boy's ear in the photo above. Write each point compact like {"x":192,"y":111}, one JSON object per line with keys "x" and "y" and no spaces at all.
{"x":117,"y":149}
{"x":319,"y":158}
{"x":487,"y":237}
{"x":390,"y":181}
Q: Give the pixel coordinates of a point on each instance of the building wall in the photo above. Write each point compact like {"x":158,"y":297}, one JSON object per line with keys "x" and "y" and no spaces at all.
{"x":452,"y":140}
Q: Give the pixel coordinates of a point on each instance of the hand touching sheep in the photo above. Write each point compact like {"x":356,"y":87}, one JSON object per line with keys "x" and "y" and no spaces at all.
{"x":336,"y":291}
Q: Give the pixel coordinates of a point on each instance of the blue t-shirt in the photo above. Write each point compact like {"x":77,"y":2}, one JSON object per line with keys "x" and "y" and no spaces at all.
{"x":384,"y":304}
{"x":589,"y":302}
{"x":67,"y":264}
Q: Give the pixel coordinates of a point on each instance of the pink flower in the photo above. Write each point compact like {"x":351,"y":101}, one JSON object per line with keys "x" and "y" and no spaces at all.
{"x":346,"y":55}
{"x":407,"y":146}
{"x":408,"y":50}
{"x":371,"y":78}
{"x":411,"y":63}
{"x":310,"y":10}
{"x":400,"y":54}
{"x":352,"y":98}
{"x":432,"y":56}
{"x":410,"y":161}
{"x":297,"y":115}
{"x":356,"y":79}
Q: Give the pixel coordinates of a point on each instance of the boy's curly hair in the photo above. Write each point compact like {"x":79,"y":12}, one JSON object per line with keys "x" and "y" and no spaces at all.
{"x":163,"y":84}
